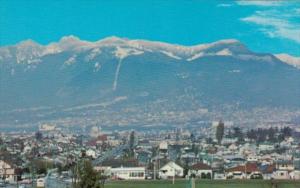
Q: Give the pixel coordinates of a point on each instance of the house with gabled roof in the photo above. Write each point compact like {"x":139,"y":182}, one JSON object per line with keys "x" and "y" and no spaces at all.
{"x":171,"y":169}
{"x":246,"y":170}
{"x":201,"y":170}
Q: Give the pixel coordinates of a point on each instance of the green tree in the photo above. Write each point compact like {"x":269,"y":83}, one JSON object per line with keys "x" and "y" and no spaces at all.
{"x":193,"y":138}
{"x":86,"y":176}
{"x":40,"y":166}
{"x":271,"y":135}
{"x":131,"y":140}
{"x":38,"y":135}
{"x":220,"y":132}
{"x":252,"y":134}
{"x":287,"y":131}
{"x":131,"y":144}
{"x":237,"y":133}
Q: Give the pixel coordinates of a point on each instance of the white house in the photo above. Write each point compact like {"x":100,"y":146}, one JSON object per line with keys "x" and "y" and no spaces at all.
{"x":91,"y":153}
{"x":281,"y":175}
{"x":163,"y":145}
{"x":27,"y":149}
{"x":169,"y":170}
{"x":219,"y":176}
{"x":284,"y":169}
{"x":236,"y":175}
{"x":252,"y":158}
{"x":47,"y":127}
{"x":128,"y":173}
{"x":266,"y":147}
{"x":295,"y":175}
{"x":287,"y":165}
{"x":104,"y":170}
{"x":7,"y":172}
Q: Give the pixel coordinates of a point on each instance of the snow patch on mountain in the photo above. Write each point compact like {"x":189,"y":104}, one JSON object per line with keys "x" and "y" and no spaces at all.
{"x":69,"y":43}
{"x":71,"y":60}
{"x":286,"y":58}
{"x":224,"y":52}
{"x":170,"y":54}
{"x":122,"y":53}
{"x":221,"y":44}
{"x":28,"y":50}
{"x":5,"y":54}
{"x":97,"y":66}
{"x":115,"y":83}
{"x":94,"y":53}
{"x":196,"y":56}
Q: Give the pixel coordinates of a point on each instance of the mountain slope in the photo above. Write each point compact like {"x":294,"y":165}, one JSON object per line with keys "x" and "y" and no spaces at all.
{"x":73,"y":72}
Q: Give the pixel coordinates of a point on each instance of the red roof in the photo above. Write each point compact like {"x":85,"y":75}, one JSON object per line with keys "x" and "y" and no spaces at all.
{"x":249,"y":167}
{"x":200,"y":166}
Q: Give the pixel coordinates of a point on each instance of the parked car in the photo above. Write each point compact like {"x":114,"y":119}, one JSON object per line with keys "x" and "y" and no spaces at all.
{"x":40,"y":182}
{"x":236,"y":175}
{"x":219,"y":176}
{"x":256,"y":175}
{"x":26,"y":181}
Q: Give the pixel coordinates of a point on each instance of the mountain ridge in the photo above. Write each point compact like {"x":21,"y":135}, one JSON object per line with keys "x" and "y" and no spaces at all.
{"x":117,"y":76}
{"x":29,"y":51}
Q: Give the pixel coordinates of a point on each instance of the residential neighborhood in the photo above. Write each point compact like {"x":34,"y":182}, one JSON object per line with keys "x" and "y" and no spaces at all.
{"x":219,"y":152}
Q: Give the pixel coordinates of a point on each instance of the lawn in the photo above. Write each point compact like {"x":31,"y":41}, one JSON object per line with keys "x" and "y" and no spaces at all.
{"x":202,"y":184}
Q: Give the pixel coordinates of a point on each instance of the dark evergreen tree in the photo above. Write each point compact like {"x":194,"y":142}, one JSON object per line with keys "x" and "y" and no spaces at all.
{"x":271,"y":135}
{"x":220,"y":132}
{"x":237,"y":133}
{"x":131,"y":140}
{"x":38,"y":135}
{"x":87,"y":177}
{"x":286,"y":131}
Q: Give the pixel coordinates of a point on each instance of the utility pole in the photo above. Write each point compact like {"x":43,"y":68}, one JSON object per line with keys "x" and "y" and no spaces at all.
{"x":211,"y":177}
{"x":193,"y":185}
{"x":154,"y":169}
{"x":191,"y":182}
{"x":246,"y":170}
{"x":174,"y":176}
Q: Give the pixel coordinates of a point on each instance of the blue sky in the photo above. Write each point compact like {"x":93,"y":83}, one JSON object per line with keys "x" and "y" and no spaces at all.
{"x":264,"y":26}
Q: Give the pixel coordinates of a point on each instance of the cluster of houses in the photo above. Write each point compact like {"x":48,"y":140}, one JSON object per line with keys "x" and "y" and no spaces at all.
{"x":154,"y":155}
{"x":234,"y":167}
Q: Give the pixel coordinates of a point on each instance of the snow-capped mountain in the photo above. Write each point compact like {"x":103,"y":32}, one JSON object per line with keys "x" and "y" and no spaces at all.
{"x":30,"y":52}
{"x":77,"y":72}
